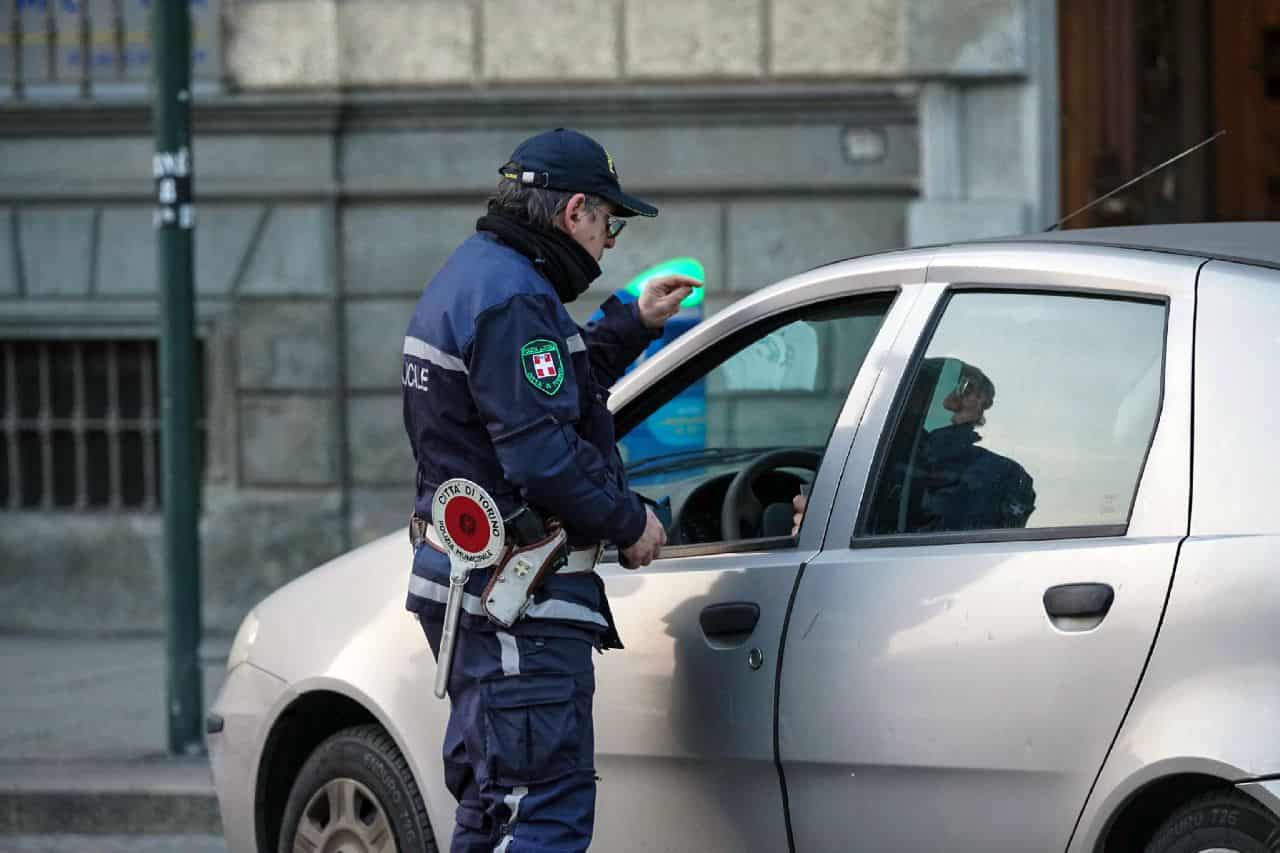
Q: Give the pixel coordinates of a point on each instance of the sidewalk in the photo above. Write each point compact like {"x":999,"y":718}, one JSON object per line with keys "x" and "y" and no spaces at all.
{"x":83,"y":740}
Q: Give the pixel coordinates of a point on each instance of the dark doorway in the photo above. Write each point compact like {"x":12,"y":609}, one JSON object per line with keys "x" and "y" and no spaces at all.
{"x":1142,"y":80}
{"x":1246,"y":91}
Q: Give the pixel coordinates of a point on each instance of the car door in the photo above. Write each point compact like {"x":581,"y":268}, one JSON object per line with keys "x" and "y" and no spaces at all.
{"x":960,"y":656}
{"x":684,"y":714}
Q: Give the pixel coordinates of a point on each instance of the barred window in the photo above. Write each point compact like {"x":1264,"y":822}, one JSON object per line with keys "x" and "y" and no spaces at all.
{"x":80,"y":424}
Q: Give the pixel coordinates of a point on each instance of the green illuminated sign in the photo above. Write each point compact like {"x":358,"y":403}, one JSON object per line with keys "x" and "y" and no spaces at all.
{"x":676,"y":266}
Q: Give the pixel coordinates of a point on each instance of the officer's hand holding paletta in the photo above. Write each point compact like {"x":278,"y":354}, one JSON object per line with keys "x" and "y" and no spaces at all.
{"x":658,"y":303}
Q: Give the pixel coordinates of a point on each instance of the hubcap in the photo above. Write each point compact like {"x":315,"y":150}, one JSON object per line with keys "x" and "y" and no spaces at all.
{"x":344,"y":817}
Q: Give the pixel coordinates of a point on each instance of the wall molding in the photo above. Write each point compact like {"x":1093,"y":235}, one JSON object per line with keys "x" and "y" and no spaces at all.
{"x":604,"y":106}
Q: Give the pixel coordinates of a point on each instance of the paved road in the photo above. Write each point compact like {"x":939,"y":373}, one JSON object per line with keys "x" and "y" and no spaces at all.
{"x":83,"y":721}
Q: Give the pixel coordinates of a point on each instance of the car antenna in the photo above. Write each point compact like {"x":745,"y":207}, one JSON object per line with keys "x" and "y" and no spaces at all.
{"x":1152,"y":170}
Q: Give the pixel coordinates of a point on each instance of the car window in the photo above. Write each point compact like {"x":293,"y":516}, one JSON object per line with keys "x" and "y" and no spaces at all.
{"x":1027,"y":410}
{"x":778,"y":386}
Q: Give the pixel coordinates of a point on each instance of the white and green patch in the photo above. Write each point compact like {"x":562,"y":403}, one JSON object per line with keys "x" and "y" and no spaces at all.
{"x":543,"y":366}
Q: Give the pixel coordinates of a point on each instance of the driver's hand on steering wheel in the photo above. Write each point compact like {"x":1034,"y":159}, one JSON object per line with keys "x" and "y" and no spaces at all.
{"x":798,"y":503}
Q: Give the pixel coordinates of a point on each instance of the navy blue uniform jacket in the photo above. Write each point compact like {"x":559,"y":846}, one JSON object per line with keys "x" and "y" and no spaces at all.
{"x":961,"y":486}
{"x":502,"y":387}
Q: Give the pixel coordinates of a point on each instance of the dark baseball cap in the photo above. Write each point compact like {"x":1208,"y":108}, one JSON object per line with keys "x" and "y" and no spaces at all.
{"x":567,"y":160}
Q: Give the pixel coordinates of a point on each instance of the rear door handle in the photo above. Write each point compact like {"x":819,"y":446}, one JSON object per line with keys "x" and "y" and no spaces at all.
{"x":1079,"y":600}
{"x":729,"y":623}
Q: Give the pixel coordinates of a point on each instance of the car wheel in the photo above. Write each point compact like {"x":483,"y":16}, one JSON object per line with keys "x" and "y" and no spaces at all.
{"x":1218,"y":822}
{"x":355,"y":794}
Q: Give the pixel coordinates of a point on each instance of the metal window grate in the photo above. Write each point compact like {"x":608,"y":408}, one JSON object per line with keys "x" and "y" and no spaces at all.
{"x":80,"y":424}
{"x":82,"y":44}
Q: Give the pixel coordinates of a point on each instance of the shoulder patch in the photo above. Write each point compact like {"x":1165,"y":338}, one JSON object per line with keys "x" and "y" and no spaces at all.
{"x":543,"y":365}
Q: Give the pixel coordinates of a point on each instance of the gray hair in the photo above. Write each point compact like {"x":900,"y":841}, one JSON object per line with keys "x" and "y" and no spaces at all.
{"x":537,"y":206}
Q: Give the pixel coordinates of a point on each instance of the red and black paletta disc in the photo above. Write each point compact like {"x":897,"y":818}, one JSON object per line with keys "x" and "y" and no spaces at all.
{"x":468,"y":522}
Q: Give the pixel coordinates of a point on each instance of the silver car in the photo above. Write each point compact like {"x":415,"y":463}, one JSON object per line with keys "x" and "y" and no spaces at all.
{"x":1028,"y":607}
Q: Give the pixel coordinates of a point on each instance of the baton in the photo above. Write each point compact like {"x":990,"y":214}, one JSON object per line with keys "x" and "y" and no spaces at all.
{"x":458,"y":574}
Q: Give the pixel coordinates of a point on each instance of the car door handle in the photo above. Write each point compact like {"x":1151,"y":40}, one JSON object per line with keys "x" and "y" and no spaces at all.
{"x":1078,"y":600}
{"x":733,"y":621}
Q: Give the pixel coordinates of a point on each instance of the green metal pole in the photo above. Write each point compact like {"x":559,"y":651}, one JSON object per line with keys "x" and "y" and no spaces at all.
{"x":174,"y":222}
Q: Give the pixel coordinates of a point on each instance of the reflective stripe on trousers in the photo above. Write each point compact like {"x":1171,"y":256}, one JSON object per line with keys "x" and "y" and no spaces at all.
{"x":519,"y":745}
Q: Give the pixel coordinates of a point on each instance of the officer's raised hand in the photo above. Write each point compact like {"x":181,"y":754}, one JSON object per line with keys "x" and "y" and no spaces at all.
{"x":645,"y":550}
{"x":662,"y":296}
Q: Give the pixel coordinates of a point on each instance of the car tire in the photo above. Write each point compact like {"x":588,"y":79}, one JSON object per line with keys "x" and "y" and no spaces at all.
{"x":1221,"y":821}
{"x":355,"y":794}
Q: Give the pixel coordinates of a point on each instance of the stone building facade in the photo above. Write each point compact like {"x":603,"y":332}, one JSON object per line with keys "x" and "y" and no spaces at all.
{"x":344,"y":147}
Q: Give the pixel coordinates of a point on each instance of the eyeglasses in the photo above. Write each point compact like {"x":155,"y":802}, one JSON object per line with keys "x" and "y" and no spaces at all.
{"x":613,"y":224}
{"x":967,"y":385}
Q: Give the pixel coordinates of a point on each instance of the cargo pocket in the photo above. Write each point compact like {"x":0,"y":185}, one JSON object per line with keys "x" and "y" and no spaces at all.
{"x":531,"y":728}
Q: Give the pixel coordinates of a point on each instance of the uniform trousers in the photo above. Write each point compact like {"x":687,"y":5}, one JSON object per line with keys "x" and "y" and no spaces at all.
{"x":519,"y":746}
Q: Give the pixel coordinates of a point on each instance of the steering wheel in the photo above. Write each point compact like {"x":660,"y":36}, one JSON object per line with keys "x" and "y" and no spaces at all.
{"x":740,"y":502}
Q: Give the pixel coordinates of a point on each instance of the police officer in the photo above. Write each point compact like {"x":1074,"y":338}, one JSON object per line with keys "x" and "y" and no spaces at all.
{"x":503,"y":388}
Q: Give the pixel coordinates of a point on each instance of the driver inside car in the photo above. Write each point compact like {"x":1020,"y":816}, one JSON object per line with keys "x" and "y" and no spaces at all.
{"x":954,"y":483}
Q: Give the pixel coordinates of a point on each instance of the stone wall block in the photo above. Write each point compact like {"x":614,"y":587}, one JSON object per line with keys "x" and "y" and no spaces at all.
{"x":966,"y":37}
{"x":286,"y":345}
{"x":126,"y":253}
{"x":56,"y":247}
{"x":682,"y":229}
{"x":560,"y":40}
{"x":377,"y":512}
{"x":253,"y":542}
{"x":833,"y":38}
{"x":223,"y":235}
{"x":105,"y":573}
{"x":127,"y":250}
{"x":771,"y":240}
{"x":88,"y":571}
{"x":292,"y":255}
{"x":693,"y":38}
{"x":287,"y":440}
{"x":375,"y":342}
{"x":452,"y":160}
{"x":390,"y":42}
{"x":930,"y":222}
{"x":263,"y":161}
{"x":271,"y":44}
{"x":993,"y":138}
{"x":689,"y":159}
{"x":71,"y":160}
{"x":8,"y":255}
{"x":379,"y":449}
{"x":398,"y":248}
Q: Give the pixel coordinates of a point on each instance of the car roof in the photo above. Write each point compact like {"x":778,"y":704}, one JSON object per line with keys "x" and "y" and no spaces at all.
{"x":1256,"y":243}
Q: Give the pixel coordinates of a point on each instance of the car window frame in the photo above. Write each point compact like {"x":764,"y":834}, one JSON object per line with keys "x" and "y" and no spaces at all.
{"x":660,"y":391}
{"x":861,"y":539}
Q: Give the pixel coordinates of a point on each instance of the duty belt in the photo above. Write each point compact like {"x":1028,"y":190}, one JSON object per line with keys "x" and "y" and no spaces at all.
{"x":581,"y":560}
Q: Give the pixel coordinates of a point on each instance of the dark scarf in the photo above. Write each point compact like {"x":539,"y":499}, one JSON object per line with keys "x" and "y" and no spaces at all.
{"x":569,"y":267}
